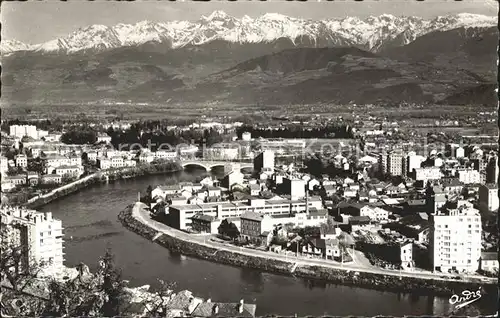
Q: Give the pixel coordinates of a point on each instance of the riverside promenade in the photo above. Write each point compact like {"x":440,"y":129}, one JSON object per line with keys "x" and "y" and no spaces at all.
{"x":141,"y":214}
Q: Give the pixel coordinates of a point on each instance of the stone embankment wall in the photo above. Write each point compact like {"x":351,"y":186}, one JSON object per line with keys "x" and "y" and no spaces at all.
{"x":368,"y":280}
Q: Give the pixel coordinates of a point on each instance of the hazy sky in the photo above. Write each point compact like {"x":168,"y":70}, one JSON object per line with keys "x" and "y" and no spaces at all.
{"x":36,"y":22}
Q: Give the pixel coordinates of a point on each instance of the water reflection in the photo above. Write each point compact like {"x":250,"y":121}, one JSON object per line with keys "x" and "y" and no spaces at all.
{"x":414,"y":298}
{"x":315,"y":284}
{"x":253,"y":279}
{"x":175,"y":257}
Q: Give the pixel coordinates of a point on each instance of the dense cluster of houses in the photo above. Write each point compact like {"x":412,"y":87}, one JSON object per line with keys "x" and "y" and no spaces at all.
{"x":453,"y":189}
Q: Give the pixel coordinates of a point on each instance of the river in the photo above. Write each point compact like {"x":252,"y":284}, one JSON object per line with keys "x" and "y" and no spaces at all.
{"x":91,"y":226}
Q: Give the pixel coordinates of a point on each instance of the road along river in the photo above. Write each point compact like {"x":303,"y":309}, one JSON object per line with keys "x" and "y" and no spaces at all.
{"x":91,"y":225}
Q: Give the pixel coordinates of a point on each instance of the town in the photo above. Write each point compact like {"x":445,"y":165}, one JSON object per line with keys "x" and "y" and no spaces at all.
{"x":422,"y":208}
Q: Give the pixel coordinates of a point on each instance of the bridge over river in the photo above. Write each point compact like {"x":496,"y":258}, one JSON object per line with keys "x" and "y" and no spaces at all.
{"x":210,"y":164}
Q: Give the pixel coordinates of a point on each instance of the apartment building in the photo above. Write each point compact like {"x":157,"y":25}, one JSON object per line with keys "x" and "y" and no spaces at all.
{"x":103,"y":163}
{"x":282,"y":146}
{"x":165,"y":154}
{"x":455,"y":240}
{"x":187,"y":150}
{"x":17,"y":180}
{"x":374,"y":213}
{"x":146,"y":157}
{"x":222,"y":151}
{"x":488,"y":197}
{"x":253,"y":225}
{"x":20,"y":131}
{"x":54,"y":161}
{"x":264,"y":161}
{"x":117,"y":162}
{"x":393,"y":163}
{"x":51,"y":179}
{"x":4,"y":165}
{"x":427,"y":174}
{"x":92,"y":156}
{"x":181,"y":214}
{"x":295,"y":187}
{"x":39,"y":232}
{"x":413,"y":161}
{"x":21,"y":161}
{"x":492,"y":170}
{"x":69,"y":171}
{"x":469,"y":176}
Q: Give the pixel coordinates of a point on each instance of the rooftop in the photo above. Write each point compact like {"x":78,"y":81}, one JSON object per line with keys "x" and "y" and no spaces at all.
{"x":249,"y":215}
{"x":208,"y":309}
{"x":203,"y":217}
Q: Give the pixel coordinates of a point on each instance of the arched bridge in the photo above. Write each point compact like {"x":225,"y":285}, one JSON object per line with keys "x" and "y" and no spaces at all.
{"x":210,"y":164}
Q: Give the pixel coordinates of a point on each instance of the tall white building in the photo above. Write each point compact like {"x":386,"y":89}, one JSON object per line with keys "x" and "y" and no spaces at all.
{"x":4,"y":165}
{"x":264,"y":161}
{"x":488,"y":197}
{"x":413,"y":161}
{"x":41,"y":233}
{"x":295,"y":187}
{"x":455,"y":240}
{"x":395,"y":163}
{"x":23,"y":130}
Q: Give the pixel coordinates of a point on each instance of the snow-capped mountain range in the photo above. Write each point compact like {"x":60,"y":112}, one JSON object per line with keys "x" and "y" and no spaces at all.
{"x":371,"y":33}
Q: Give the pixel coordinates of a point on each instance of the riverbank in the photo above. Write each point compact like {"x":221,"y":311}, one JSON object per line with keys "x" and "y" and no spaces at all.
{"x":180,"y":242}
{"x":101,"y":177}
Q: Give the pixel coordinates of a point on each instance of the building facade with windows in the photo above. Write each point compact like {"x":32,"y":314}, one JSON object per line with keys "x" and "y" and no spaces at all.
{"x":455,"y":240}
{"x":39,"y":233}
{"x":181,"y":214}
{"x":488,"y":197}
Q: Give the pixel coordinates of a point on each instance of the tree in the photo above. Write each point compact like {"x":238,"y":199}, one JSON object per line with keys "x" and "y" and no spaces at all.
{"x":100,"y":294}
{"x":149,"y":190}
{"x":233,"y":231}
{"x":112,"y":285}
{"x":19,"y":271}
{"x":223,"y":227}
{"x":79,"y":135}
{"x":14,"y":171}
{"x":37,"y":165}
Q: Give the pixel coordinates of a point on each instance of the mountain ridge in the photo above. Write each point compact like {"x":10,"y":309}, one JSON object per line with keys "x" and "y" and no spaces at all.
{"x":373,"y":33}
